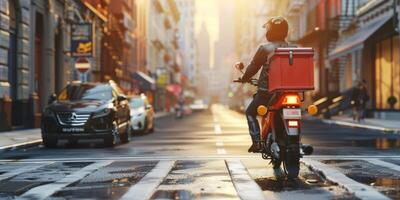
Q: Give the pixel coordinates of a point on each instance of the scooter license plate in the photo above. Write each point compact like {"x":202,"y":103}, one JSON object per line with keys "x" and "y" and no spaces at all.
{"x":292,"y":113}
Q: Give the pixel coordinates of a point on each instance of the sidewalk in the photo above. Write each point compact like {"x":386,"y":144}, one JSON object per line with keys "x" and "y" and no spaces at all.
{"x":391,"y":126}
{"x":10,"y":140}
{"x":19,"y":139}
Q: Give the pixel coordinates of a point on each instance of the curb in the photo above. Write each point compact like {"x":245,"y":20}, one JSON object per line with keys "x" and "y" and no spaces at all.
{"x":364,"y":126}
{"x":162,"y":115}
{"x":20,"y":145}
{"x":39,"y":141}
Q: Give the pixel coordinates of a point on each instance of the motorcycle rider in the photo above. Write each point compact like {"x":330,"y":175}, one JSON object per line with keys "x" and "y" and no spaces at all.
{"x":276,"y":33}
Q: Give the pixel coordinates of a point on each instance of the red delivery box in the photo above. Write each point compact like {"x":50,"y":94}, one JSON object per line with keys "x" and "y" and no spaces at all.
{"x":291,"y":69}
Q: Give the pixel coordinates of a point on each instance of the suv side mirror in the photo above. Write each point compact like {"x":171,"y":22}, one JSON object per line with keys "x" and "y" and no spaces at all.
{"x":121,"y":98}
{"x":52,"y":98}
{"x":239,"y":66}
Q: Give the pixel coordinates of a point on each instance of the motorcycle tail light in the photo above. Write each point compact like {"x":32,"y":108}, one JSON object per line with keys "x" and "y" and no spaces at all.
{"x":293,"y":123}
{"x":291,"y":100}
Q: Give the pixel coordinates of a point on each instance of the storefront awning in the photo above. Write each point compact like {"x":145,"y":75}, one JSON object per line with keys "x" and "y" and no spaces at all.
{"x":144,"y":81}
{"x":356,"y":41}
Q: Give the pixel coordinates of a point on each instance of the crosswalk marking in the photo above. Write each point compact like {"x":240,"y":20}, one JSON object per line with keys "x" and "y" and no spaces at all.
{"x":22,"y":170}
{"x":244,"y":184}
{"x":246,"y":187}
{"x":383,"y":164}
{"x":360,"y":190}
{"x":188,"y":157}
{"x":145,"y":188}
{"x":45,"y":191}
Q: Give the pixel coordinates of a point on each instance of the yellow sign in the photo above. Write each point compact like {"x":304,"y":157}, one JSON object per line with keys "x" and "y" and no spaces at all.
{"x":84,"y":47}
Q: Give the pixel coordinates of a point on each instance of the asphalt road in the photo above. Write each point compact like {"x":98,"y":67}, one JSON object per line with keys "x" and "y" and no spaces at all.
{"x":204,"y":156}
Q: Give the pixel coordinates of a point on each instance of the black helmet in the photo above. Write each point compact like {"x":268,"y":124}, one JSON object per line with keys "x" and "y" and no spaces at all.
{"x":277,"y":29}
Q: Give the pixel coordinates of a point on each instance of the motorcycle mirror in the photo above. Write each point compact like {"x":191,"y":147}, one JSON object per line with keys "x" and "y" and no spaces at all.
{"x":239,"y":66}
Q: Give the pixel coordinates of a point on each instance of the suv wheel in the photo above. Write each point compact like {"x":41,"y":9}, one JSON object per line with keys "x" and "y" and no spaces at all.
{"x":50,"y":143}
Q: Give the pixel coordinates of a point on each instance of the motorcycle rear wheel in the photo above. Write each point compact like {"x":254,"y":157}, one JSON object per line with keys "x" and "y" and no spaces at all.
{"x":291,"y":163}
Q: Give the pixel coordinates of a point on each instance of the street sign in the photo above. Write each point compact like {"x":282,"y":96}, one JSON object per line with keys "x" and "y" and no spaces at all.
{"x":81,"y":40}
{"x":82,"y":65}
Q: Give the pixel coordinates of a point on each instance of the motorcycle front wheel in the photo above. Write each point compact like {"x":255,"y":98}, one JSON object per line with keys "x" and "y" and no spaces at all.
{"x":291,"y":162}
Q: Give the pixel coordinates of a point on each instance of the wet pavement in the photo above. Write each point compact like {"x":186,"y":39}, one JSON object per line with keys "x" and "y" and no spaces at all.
{"x":386,"y":181}
{"x":202,"y":145}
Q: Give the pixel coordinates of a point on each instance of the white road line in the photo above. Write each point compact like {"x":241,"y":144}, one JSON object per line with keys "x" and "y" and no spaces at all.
{"x":383,"y":164}
{"x":217,"y":129}
{"x":215,"y":120}
{"x":219,"y":144}
{"x":221,"y":151}
{"x":246,"y":187}
{"x":360,"y":190}
{"x":145,"y":188}
{"x":22,"y":170}
{"x":45,"y":191}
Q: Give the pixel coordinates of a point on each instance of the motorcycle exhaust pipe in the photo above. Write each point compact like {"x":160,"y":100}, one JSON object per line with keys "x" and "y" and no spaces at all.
{"x":307,"y":149}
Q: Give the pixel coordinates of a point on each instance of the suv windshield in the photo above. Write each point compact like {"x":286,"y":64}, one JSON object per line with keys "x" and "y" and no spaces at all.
{"x":137,"y":103}
{"x":86,"y":92}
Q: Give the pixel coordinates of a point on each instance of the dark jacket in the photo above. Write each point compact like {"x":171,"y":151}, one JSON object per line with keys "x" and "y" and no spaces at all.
{"x":260,"y":60}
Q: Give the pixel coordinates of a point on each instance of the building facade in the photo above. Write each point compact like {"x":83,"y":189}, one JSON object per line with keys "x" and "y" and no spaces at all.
{"x":35,"y":55}
{"x":163,"y":56}
{"x":371,"y":50}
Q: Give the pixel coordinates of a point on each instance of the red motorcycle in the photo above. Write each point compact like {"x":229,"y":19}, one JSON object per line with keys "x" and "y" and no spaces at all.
{"x":290,"y":75}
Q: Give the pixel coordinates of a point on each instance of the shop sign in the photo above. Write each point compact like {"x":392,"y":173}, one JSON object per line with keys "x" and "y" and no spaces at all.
{"x":81,"y":40}
{"x":162,"y":77}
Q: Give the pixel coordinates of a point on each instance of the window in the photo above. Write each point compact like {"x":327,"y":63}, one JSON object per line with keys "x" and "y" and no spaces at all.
{"x":387,"y":72}
{"x":85,"y":92}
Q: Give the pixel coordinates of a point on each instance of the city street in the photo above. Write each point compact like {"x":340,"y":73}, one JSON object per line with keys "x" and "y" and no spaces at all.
{"x":204,"y":156}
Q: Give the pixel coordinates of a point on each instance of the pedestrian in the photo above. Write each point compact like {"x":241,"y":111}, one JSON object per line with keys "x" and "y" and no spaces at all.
{"x":359,"y":100}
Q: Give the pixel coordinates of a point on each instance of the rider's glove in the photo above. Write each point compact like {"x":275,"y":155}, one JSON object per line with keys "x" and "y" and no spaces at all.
{"x":243,"y":80}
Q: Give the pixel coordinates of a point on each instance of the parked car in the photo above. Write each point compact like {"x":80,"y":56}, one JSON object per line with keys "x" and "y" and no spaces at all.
{"x":87,"y":111}
{"x":198,"y":105}
{"x":142,"y":114}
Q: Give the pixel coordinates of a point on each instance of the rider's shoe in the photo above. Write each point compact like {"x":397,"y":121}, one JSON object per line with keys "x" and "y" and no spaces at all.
{"x":255,"y":147}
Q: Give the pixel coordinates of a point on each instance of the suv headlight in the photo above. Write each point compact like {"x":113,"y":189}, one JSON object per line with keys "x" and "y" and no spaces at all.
{"x":102,"y":113}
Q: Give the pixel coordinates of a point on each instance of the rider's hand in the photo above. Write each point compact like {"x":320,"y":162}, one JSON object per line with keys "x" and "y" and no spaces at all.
{"x":243,"y":80}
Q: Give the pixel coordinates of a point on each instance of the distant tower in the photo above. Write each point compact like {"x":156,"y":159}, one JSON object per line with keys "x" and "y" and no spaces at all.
{"x":203,"y":61}
{"x":203,"y":47}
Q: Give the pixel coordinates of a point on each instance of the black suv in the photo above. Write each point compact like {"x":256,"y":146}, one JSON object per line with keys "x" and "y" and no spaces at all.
{"x":87,"y":111}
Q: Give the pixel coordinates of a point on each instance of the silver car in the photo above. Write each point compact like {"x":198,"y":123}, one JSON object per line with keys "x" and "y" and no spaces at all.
{"x":142,"y":115}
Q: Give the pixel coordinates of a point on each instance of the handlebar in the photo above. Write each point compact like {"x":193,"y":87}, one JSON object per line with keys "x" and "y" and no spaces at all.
{"x":251,"y":81}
